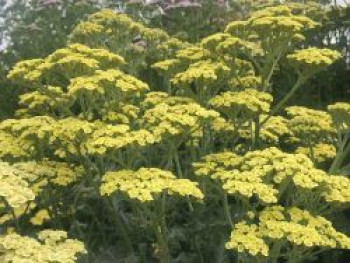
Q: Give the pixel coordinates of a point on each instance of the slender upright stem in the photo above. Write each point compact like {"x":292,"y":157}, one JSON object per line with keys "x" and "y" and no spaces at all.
{"x":227,"y":210}
{"x":343,"y":151}
{"x":162,"y":232}
{"x":296,"y":86}
{"x":120,"y":225}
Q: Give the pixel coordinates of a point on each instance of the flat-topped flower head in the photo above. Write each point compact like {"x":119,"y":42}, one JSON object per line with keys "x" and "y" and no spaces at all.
{"x":309,"y":125}
{"x":41,"y":173}
{"x":274,"y":28}
{"x":205,"y":71}
{"x":146,"y":183}
{"x":246,"y":238}
{"x":50,"y":247}
{"x":181,"y":119}
{"x":292,"y":226}
{"x":121,"y":34}
{"x":311,"y":60}
{"x":154,"y":98}
{"x":193,"y":53}
{"x":249,"y":81}
{"x":340,"y":113}
{"x":112,"y":138}
{"x":22,"y":69}
{"x":103,"y":88}
{"x":168,"y":67}
{"x":43,"y":103}
{"x":211,"y":42}
{"x":63,"y":64}
{"x":321,"y":152}
{"x":264,"y":173}
{"x":13,"y":189}
{"x":246,"y":103}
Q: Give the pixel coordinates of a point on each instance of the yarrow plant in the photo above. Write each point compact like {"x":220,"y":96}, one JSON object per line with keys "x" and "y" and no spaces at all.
{"x":147,"y":148}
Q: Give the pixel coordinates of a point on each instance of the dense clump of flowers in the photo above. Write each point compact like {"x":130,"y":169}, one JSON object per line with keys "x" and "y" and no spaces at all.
{"x":50,"y":246}
{"x":122,"y":35}
{"x":95,"y":145}
{"x":245,"y":103}
{"x":13,"y":189}
{"x":320,"y":152}
{"x":268,"y":173}
{"x":276,"y":130}
{"x":166,"y":120}
{"x":311,"y":60}
{"x":145,"y":183}
{"x":91,"y":81}
{"x":309,"y":124}
{"x":292,"y":225}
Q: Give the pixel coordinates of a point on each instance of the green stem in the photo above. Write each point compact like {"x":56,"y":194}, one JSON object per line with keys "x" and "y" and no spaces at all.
{"x":227,"y":210}
{"x":341,"y":155}
{"x":311,"y":149}
{"x":256,"y":132}
{"x":162,"y":232}
{"x":179,"y":171}
{"x":120,"y":225}
{"x":301,"y":80}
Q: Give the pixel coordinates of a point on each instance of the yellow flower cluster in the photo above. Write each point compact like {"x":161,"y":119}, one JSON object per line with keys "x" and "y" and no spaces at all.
{"x":39,"y":174}
{"x":21,"y":70}
{"x":52,"y":246}
{"x":192,"y":54}
{"x":168,"y":67}
{"x":169,"y":48}
{"x":321,"y":152}
{"x":310,"y":60}
{"x":19,"y":211}
{"x":67,"y":136}
{"x":246,"y":82}
{"x":247,"y":239}
{"x":273,"y":27}
{"x":112,"y":138}
{"x":205,"y":71}
{"x":76,"y":137}
{"x":235,"y":46}
{"x":337,"y":191}
{"x":272,"y":132}
{"x":27,"y":128}
{"x":112,"y":83}
{"x":14,"y":147}
{"x":38,"y":103}
{"x":309,"y":125}
{"x":154,"y":98}
{"x":71,"y":61}
{"x":127,"y":113}
{"x":264,"y":172}
{"x":105,"y":88}
{"x":117,"y":31}
{"x":276,"y":224}
{"x":238,"y":175}
{"x":13,"y":188}
{"x":246,"y":103}
{"x":340,"y":112}
{"x":211,"y":42}
{"x":40,"y":217}
{"x":179,"y":119}
{"x":145,"y":183}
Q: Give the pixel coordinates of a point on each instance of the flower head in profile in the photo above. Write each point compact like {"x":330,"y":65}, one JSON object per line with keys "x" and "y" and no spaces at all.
{"x":146,"y":183}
